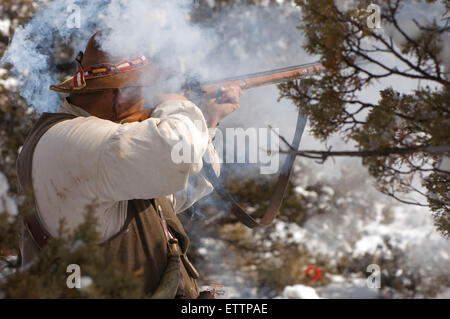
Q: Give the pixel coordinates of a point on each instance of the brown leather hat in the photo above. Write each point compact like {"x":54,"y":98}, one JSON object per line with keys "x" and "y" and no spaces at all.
{"x":99,"y":71}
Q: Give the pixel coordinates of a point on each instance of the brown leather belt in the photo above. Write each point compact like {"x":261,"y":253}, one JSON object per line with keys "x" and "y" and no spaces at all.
{"x":37,"y":231}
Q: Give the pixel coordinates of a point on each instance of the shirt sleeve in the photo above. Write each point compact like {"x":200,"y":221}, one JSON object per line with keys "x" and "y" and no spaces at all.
{"x":198,"y":186}
{"x":155,"y":157}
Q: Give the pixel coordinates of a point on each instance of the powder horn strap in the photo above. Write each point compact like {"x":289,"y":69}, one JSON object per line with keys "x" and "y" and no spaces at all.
{"x":280,"y":188}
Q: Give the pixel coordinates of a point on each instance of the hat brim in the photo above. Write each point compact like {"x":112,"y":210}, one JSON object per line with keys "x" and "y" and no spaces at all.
{"x":146,"y":75}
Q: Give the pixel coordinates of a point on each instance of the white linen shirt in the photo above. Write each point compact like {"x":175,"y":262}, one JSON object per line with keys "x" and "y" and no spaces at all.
{"x":91,"y":162}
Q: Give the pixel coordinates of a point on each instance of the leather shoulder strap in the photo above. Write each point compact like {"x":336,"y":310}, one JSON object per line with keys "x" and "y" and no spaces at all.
{"x":277,"y":197}
{"x":24,"y":170}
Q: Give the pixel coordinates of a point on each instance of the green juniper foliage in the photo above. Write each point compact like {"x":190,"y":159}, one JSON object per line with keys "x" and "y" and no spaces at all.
{"x":355,"y":57}
{"x":48,"y":274}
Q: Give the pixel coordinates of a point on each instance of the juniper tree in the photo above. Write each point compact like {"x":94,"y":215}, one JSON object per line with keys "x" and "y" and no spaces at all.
{"x":401,"y":137}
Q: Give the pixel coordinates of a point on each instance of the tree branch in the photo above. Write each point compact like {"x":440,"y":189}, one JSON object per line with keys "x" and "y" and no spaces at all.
{"x":323,"y":155}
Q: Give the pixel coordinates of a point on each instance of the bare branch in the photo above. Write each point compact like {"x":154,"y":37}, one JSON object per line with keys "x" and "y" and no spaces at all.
{"x":434,"y":149}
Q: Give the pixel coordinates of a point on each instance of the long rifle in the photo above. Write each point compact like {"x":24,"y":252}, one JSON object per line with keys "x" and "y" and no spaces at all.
{"x":252,"y":80}
{"x":266,"y":78}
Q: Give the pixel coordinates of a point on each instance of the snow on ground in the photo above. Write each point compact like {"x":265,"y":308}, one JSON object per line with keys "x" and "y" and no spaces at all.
{"x":357,"y":222}
{"x":340,"y":288}
{"x":359,"y":228}
{"x":219,"y":261}
{"x":412,"y":232}
{"x":299,"y":292}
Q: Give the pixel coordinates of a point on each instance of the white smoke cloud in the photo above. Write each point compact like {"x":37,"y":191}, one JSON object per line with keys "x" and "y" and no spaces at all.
{"x":32,"y":46}
{"x":245,"y":39}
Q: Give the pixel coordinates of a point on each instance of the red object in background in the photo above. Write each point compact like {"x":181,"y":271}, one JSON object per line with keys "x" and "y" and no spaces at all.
{"x":316,"y":270}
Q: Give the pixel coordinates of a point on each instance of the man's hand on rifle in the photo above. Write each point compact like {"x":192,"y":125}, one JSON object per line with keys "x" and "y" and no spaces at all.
{"x":218,"y":104}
